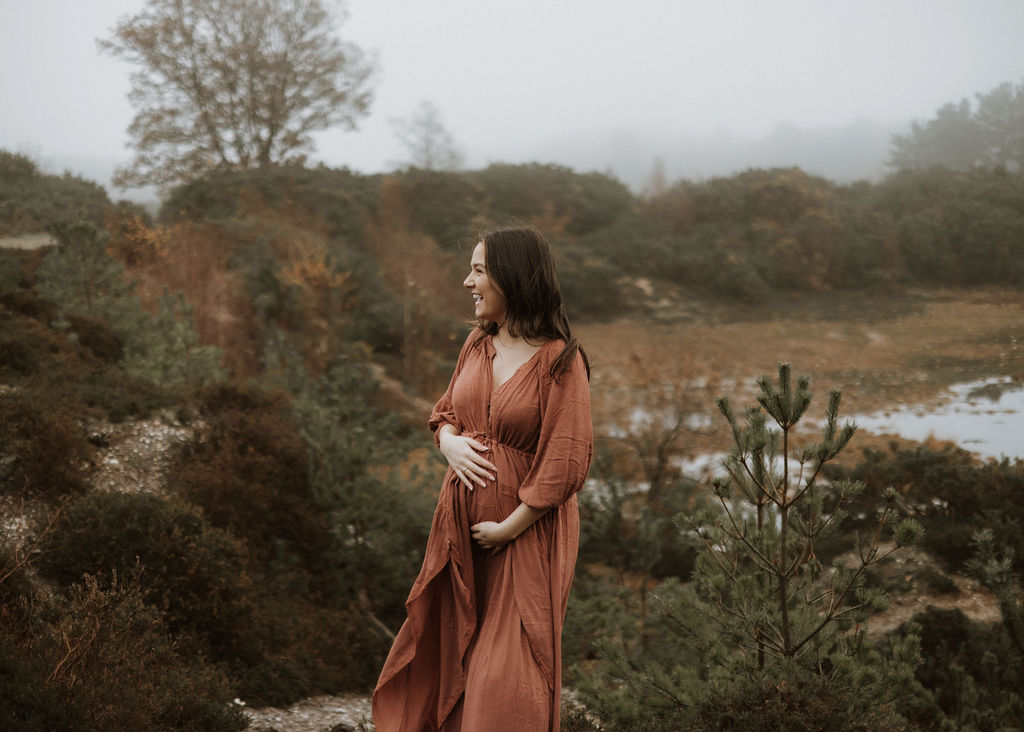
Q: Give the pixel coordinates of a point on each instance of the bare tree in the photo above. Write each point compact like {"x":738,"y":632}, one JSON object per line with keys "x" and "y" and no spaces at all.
{"x":427,"y":141}
{"x":234,"y":83}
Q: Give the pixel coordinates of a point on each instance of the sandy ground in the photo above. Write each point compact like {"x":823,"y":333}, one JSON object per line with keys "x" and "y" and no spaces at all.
{"x":26,"y":241}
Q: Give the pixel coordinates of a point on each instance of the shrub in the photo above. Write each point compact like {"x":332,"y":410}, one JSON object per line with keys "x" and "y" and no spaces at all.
{"x":100,"y":658}
{"x":98,"y":337}
{"x":46,"y":449}
{"x":951,"y":493}
{"x":792,"y":702}
{"x":247,"y":470}
{"x":973,"y":676}
{"x":193,"y":572}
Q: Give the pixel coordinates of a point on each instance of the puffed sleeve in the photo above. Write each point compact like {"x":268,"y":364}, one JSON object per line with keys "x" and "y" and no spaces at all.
{"x":566,"y":441}
{"x":444,"y":411}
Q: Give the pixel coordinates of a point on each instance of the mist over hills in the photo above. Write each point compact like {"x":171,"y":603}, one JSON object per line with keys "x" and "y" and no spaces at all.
{"x":855,"y":151}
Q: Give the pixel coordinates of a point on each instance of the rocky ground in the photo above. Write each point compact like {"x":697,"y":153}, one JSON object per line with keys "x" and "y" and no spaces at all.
{"x":344,"y":713}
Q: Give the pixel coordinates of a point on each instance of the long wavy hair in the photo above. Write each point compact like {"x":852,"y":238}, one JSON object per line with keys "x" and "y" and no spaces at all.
{"x":520,"y":263}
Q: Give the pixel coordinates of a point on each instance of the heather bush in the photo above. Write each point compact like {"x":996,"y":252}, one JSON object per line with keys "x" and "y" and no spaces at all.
{"x":191,"y":571}
{"x":32,"y":201}
{"x":99,"y":657}
{"x":950,"y":492}
{"x":43,"y":447}
{"x":97,"y":336}
{"x":63,"y":364}
{"x":247,"y":469}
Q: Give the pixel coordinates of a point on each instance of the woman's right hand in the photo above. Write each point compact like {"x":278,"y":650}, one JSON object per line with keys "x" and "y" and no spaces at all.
{"x":463,"y":455}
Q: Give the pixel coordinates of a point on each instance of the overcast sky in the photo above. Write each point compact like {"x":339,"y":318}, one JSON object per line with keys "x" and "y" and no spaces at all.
{"x":710,"y":86}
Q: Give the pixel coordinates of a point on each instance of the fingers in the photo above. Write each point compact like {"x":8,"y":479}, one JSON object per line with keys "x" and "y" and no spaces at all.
{"x":463,"y":478}
{"x":476,"y":456}
{"x":477,"y":468}
{"x":479,"y":460}
{"x":476,"y":474}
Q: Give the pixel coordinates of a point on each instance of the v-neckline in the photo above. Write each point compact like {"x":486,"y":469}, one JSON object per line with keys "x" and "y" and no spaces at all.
{"x":514,"y":374}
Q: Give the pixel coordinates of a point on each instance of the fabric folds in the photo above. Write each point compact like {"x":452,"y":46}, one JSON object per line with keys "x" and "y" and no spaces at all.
{"x":481,"y":647}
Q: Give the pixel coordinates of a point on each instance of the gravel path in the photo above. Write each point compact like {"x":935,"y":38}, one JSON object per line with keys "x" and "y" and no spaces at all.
{"x":346,"y":713}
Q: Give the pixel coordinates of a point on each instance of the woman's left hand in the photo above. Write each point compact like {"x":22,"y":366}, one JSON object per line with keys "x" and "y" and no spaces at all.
{"x":491,"y":535}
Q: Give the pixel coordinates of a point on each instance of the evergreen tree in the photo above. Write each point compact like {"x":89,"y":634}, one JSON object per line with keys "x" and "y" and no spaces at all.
{"x":996,"y":573}
{"x":378,"y":497}
{"x":168,"y":350}
{"x":83,"y":279}
{"x":79,"y":275}
{"x":766,"y":636}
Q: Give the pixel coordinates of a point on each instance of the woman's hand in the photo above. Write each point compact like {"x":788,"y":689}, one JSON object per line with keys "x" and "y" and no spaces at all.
{"x":463,"y":455}
{"x":491,"y":535}
{"x":495,"y":536}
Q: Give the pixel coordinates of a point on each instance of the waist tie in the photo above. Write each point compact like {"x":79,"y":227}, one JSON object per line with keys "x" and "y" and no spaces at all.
{"x":491,"y":442}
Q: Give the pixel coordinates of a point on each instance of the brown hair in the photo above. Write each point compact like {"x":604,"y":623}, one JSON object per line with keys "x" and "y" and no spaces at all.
{"x":520,"y":263}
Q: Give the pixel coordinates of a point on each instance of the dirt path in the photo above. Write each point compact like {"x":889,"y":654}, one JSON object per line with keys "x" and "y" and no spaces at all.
{"x":26,"y":241}
{"x":344,"y":713}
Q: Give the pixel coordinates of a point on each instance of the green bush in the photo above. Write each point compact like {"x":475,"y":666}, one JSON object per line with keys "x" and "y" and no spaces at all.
{"x":97,"y":336}
{"x":247,"y":469}
{"x":792,"y":701}
{"x":950,"y":493}
{"x":69,"y":364}
{"x":974,"y":677}
{"x":190,"y":570}
{"x":31,"y":201}
{"x":30,"y":703}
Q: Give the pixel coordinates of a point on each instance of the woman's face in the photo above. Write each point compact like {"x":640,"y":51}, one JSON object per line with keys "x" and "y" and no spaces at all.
{"x":488,"y":302}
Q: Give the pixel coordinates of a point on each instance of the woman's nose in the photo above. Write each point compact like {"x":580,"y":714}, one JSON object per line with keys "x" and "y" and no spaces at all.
{"x":467,"y":282}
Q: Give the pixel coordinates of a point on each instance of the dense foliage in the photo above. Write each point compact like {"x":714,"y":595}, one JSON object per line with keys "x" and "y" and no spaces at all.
{"x":765,"y":636}
{"x":963,"y":136}
{"x":292,"y":321}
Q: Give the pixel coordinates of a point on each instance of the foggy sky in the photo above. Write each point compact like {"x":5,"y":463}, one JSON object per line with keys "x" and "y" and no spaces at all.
{"x":710,"y":87}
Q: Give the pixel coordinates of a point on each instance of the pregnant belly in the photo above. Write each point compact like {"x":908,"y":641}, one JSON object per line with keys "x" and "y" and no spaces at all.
{"x":499,"y":498}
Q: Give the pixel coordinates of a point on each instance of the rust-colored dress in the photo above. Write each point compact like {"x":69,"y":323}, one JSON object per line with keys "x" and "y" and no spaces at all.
{"x":481,"y":648}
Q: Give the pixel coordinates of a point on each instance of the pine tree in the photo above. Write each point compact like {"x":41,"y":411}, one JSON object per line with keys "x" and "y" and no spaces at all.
{"x":167,"y":351}
{"x":365,"y":478}
{"x":79,"y":275}
{"x":766,"y":636}
{"x":996,"y":573}
{"x":83,"y":279}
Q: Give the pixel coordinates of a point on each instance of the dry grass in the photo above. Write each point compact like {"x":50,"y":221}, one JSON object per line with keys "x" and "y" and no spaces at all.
{"x":880,"y":351}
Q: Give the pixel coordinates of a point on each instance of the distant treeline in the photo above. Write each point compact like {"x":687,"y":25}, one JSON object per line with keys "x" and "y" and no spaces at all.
{"x":329,"y":253}
{"x":740,"y":236}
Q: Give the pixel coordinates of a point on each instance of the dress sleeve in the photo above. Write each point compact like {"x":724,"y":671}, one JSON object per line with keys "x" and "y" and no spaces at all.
{"x":444,"y":411}
{"x":565,"y":445}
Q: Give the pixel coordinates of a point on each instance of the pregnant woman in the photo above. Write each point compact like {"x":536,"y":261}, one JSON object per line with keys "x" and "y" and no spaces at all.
{"x":481,"y":648}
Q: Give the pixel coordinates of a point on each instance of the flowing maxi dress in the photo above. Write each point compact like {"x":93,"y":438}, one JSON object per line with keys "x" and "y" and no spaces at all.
{"x":481,"y":648}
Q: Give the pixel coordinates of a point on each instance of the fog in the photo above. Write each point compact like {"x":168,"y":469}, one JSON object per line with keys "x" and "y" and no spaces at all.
{"x":706,"y":88}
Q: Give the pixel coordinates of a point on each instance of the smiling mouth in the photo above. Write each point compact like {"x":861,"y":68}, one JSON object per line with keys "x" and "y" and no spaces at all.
{"x":477,"y":298}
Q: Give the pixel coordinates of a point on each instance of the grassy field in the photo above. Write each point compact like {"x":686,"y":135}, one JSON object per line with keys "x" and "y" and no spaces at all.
{"x":881,"y":351}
